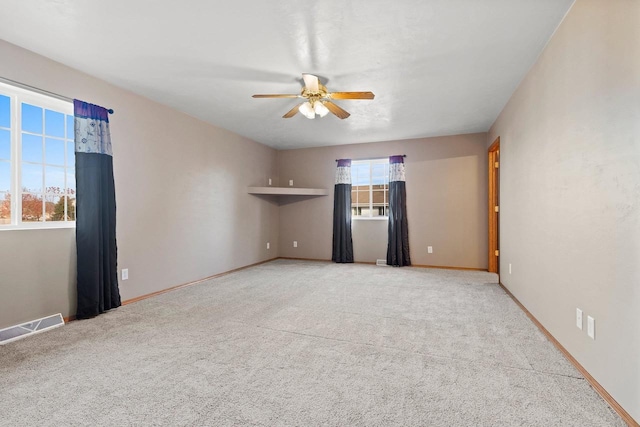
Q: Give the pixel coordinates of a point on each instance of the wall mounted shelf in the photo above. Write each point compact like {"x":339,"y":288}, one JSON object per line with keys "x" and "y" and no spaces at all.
{"x":288,"y":191}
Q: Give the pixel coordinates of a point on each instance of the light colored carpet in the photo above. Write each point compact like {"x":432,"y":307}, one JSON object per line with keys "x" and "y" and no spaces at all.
{"x":303,"y":343}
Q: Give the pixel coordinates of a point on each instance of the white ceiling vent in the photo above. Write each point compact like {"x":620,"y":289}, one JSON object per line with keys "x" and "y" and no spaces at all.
{"x":14,"y":333}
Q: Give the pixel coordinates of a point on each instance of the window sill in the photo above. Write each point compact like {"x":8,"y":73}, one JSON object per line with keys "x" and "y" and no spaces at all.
{"x":371,"y":218}
{"x":36,"y":226}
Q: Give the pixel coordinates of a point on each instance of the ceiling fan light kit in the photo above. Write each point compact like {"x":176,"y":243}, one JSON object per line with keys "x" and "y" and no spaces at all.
{"x":320,"y":109}
{"x":307,"y":110}
{"x":318,"y":99}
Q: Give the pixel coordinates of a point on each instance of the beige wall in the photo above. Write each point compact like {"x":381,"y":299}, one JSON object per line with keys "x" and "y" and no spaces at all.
{"x":446,"y":201}
{"x":182,"y":208}
{"x":570,"y":190}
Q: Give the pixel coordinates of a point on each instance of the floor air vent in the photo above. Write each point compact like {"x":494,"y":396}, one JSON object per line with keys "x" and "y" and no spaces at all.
{"x":382,"y":262}
{"x":17,"y":332}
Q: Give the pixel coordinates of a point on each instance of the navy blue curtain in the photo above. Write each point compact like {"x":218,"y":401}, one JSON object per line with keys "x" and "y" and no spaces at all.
{"x":398,"y":245}
{"x":95,"y":212}
{"x":342,"y":242}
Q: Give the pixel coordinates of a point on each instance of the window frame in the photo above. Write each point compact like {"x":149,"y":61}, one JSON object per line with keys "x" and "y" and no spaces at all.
{"x":18,"y":96}
{"x":371,"y":163}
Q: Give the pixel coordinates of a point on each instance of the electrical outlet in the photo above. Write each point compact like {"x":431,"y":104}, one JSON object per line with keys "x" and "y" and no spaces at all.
{"x":510,"y":273}
{"x":591,"y":327}
{"x":269,"y":181}
{"x":290,"y":183}
{"x":268,"y":245}
{"x":578,"y":317}
{"x":295,"y":243}
{"x":429,"y":249}
{"x":125,"y":273}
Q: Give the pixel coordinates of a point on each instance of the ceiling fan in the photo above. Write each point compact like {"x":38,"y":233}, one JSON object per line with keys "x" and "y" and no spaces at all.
{"x":318,"y":99}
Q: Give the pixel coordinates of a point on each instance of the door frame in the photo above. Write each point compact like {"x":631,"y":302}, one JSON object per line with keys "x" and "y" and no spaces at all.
{"x":494,"y":192}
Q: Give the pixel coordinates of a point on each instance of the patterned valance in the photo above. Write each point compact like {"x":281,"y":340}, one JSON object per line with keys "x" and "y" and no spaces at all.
{"x":91,"y":128}
{"x":343,"y":171}
{"x":396,"y":168}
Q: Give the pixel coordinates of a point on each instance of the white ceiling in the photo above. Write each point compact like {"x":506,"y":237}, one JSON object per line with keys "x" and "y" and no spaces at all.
{"x":437,"y":67}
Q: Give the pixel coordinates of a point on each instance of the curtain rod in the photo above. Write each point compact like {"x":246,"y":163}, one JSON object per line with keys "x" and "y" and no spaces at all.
{"x":372,"y":158}
{"x":42,"y":91}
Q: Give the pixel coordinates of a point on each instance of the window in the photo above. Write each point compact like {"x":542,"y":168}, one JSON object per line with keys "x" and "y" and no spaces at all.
{"x":370,"y":188}
{"x":37,"y":160}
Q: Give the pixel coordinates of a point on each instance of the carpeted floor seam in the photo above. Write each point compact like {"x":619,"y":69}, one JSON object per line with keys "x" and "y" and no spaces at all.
{"x":435,"y":356}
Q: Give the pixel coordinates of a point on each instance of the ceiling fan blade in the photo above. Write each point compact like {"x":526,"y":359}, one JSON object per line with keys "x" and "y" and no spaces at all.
{"x":292,"y":112}
{"x":276,"y":96}
{"x":342,"y":114}
{"x":311,"y":82}
{"x":351,"y":95}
